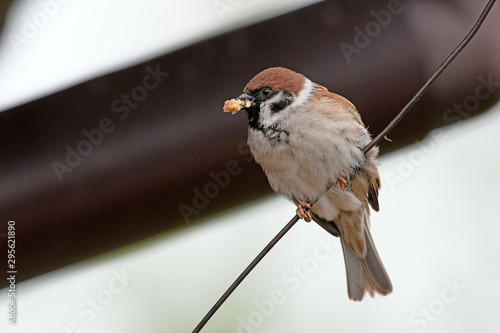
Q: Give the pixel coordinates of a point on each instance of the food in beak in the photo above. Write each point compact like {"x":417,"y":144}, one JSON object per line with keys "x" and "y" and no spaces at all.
{"x":236,"y":104}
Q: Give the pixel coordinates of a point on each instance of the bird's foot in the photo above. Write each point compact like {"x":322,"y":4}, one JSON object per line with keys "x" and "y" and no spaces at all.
{"x":303,"y":211}
{"x":342,"y":183}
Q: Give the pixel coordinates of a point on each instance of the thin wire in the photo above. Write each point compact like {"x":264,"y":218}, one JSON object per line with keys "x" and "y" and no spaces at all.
{"x":374,"y":142}
{"x":433,"y":78}
{"x":244,"y":274}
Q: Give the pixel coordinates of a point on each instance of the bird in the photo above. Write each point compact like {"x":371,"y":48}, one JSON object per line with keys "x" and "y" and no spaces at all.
{"x":309,"y":142}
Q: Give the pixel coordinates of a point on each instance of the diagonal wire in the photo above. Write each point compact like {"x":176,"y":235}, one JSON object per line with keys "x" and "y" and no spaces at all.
{"x":433,"y":78}
{"x":244,"y":274}
{"x":374,"y":142}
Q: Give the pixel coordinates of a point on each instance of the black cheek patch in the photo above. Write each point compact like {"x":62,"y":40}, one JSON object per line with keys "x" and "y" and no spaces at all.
{"x":278,"y":106}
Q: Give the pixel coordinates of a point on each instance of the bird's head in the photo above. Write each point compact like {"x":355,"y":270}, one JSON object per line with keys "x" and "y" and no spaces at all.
{"x":272,"y":96}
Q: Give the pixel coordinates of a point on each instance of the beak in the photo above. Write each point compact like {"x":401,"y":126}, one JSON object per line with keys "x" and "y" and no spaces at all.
{"x":244,"y":101}
{"x":246,"y":97}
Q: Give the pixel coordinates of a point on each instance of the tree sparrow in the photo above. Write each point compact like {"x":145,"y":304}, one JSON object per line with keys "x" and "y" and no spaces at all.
{"x":307,"y":139}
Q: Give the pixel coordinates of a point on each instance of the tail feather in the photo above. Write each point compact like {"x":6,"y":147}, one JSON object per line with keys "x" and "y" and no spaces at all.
{"x":356,"y":284}
{"x":365,"y":275}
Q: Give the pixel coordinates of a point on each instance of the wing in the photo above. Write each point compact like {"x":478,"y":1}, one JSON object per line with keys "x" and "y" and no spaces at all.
{"x":370,"y":173}
{"x":344,"y":102}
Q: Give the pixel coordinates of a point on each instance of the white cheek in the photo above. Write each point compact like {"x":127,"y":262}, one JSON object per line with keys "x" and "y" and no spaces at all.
{"x":304,"y":95}
{"x":267,"y":117}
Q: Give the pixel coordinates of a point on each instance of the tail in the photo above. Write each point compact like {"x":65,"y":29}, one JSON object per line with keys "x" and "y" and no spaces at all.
{"x":366,"y":274}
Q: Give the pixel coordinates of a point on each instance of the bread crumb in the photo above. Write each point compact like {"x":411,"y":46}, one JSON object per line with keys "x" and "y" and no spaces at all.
{"x":235,"y":105}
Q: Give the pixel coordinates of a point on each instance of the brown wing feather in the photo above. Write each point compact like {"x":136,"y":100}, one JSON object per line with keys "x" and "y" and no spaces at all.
{"x":373,"y":180}
{"x":322,"y":92}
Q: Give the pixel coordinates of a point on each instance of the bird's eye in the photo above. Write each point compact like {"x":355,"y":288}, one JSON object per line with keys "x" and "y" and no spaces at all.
{"x":266,"y":92}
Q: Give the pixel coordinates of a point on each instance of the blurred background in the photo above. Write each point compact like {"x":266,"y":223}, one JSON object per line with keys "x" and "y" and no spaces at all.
{"x":136,"y":201}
